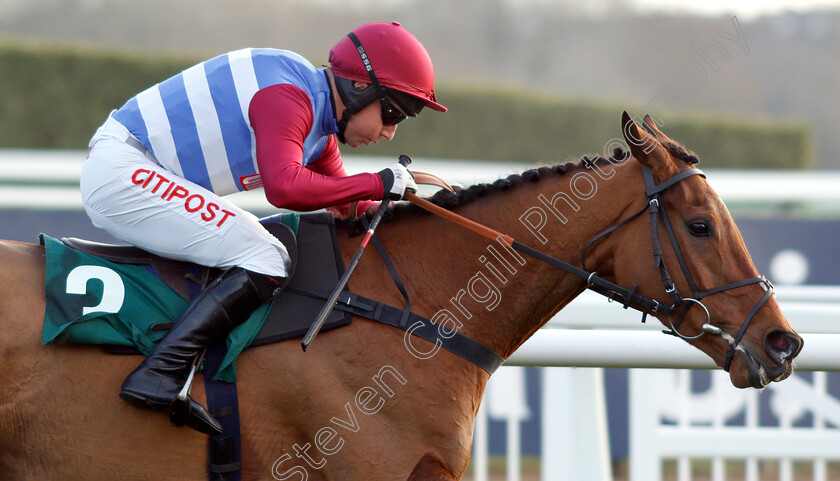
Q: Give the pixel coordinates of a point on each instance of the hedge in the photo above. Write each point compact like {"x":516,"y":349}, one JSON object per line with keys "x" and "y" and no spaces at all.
{"x":55,"y":98}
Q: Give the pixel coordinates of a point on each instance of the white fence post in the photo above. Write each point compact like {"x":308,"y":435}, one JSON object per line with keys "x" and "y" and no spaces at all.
{"x":480,"y":441}
{"x":644,"y":420}
{"x":575,"y":439}
{"x":504,"y":399}
{"x":821,"y":386}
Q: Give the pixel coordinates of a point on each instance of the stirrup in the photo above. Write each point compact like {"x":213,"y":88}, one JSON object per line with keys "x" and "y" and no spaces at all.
{"x":190,"y":413}
{"x":183,"y":410}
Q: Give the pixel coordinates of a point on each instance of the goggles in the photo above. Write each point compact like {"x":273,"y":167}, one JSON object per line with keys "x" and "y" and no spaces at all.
{"x":390,"y":114}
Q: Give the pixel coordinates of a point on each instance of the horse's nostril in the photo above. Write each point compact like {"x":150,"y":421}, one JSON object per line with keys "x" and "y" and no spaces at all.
{"x":778,"y":341}
{"x":782,"y":345}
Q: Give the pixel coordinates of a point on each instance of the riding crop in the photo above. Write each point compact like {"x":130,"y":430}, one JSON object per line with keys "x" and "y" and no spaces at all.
{"x":328,"y":307}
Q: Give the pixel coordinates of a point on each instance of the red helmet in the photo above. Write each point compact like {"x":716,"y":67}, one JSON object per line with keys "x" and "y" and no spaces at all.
{"x":399,"y":61}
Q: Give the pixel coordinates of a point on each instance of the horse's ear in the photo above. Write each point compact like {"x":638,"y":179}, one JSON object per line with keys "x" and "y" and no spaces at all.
{"x":642,"y":143}
{"x":650,"y":126}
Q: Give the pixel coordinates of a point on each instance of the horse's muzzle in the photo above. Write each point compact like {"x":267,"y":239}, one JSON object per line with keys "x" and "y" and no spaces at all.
{"x":780,"y":348}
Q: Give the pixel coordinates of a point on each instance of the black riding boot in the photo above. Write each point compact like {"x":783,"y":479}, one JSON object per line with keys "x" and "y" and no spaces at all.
{"x":223,"y":305}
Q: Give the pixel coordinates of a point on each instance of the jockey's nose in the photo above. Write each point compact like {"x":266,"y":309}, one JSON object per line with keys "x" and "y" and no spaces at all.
{"x":388,"y":131}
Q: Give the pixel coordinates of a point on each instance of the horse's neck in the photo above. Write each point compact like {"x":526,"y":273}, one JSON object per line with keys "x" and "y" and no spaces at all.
{"x":500,"y":296}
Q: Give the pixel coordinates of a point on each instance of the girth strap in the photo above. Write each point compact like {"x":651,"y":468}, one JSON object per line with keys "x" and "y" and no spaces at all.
{"x":225,"y":449}
{"x":459,"y":344}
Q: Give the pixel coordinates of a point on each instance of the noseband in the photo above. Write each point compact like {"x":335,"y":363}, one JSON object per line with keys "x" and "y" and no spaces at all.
{"x":656,"y":209}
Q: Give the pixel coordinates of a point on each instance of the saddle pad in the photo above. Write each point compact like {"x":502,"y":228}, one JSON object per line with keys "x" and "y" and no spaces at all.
{"x":318,"y":271}
{"x":90,"y":300}
{"x":319,"y":267}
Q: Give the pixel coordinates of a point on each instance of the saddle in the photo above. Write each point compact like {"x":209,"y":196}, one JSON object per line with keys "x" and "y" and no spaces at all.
{"x":310,"y":239}
{"x":315,"y":246}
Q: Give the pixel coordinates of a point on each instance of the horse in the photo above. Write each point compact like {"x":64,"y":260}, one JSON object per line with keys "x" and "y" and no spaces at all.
{"x":367,"y":401}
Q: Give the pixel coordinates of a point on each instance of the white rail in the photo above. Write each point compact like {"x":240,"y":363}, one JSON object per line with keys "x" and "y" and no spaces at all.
{"x":48,"y":179}
{"x":590,"y":332}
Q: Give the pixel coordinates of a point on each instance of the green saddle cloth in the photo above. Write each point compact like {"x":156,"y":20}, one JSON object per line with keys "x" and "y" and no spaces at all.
{"x":94,"y":301}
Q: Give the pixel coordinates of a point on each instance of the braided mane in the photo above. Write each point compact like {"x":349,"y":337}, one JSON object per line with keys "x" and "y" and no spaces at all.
{"x":679,"y":152}
{"x":452,"y":200}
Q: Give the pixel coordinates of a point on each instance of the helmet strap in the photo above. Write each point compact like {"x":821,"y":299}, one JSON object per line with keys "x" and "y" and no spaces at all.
{"x":368,"y":66}
{"x":354,"y":103}
{"x":342,"y":125}
{"x":353,"y":100}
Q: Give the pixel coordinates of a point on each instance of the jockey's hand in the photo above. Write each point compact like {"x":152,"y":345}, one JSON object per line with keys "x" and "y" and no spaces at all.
{"x":353,"y":210}
{"x":396,"y":179}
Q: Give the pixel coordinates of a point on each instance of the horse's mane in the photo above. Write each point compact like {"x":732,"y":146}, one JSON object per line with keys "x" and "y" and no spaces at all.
{"x":679,"y":152}
{"x":463,"y":196}
{"x":452,"y":200}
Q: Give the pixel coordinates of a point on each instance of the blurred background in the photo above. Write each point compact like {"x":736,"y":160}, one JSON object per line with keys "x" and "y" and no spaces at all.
{"x":752,"y":87}
{"x":529,"y":80}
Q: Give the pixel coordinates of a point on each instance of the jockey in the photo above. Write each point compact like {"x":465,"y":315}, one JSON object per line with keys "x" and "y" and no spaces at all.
{"x":159,"y":166}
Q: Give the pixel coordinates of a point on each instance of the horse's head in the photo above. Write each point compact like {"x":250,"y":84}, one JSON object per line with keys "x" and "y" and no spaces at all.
{"x":721,"y":304}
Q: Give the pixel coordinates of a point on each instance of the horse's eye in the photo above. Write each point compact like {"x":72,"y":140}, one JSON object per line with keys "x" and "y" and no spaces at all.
{"x":699,"y":228}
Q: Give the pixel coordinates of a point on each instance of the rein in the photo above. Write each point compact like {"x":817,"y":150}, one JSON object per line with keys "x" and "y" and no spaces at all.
{"x":629,"y":297}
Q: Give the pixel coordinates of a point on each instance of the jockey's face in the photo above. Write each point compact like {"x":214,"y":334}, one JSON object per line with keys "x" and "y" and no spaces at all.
{"x":366,"y":126}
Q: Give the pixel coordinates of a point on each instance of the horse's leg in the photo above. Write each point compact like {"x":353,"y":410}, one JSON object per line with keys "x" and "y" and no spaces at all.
{"x":430,"y":468}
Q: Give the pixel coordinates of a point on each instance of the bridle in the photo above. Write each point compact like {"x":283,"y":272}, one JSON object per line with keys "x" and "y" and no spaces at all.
{"x":629,"y":297}
{"x":656,"y":209}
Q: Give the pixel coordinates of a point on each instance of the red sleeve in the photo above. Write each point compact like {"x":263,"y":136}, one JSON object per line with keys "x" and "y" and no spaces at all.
{"x":281,"y":116}
{"x":330,"y":164}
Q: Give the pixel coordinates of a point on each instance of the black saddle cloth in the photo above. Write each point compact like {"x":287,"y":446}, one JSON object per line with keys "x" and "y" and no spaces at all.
{"x":319,"y":267}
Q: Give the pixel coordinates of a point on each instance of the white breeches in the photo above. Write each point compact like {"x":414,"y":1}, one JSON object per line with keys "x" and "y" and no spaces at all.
{"x":127,"y":194}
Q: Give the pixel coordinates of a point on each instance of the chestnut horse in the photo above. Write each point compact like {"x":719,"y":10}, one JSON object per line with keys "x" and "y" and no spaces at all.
{"x":366,"y":402}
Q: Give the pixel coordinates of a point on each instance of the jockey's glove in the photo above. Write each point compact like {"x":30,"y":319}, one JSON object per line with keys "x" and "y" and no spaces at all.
{"x":396,"y":179}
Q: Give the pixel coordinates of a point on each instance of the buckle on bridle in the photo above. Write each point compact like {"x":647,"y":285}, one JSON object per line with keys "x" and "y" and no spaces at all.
{"x":656,"y":306}
{"x":671,"y":290}
{"x":654,"y":202}
{"x":766,"y":285}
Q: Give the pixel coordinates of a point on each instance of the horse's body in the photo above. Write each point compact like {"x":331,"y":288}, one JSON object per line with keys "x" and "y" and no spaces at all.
{"x":363,"y":403}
